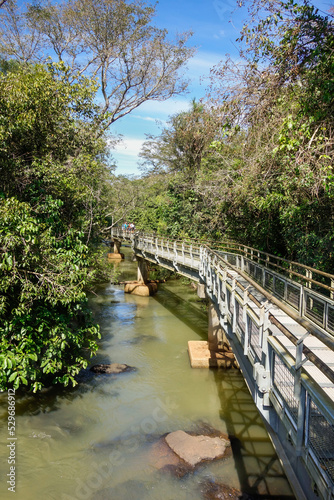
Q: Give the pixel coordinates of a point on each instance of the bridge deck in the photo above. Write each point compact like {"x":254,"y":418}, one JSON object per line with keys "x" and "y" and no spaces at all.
{"x":281,"y":328}
{"x":315,"y":345}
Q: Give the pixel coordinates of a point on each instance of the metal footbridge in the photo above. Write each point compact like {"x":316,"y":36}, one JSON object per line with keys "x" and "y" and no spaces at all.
{"x":278,"y":317}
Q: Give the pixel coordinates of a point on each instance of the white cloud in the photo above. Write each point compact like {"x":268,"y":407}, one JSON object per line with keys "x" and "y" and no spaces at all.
{"x":128,"y":147}
{"x":167,"y":108}
{"x":204,"y":61}
{"x":220,"y":35}
{"x":146,"y":118}
{"x":149,"y":119}
{"x":126,"y":155}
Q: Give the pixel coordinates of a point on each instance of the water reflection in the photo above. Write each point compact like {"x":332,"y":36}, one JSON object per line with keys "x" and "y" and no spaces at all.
{"x":98,"y":440}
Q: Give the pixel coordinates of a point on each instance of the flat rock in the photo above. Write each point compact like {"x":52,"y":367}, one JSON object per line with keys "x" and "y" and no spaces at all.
{"x":164,"y":459}
{"x":195,"y":449}
{"x":112,"y":368}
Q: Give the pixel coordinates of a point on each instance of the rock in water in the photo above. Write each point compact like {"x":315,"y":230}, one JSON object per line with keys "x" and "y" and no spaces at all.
{"x":195,"y":449}
{"x":112,"y":368}
{"x":218,"y":491}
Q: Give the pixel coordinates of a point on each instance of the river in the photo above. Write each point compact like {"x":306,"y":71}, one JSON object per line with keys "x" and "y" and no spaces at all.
{"x":96,"y":441}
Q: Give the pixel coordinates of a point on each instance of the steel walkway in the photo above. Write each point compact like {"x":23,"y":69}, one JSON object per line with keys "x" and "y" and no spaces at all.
{"x":279,"y":319}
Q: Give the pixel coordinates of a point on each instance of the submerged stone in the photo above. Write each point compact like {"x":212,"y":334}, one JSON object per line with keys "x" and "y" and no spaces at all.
{"x":219,"y":491}
{"x":112,"y":368}
{"x":163,"y":458}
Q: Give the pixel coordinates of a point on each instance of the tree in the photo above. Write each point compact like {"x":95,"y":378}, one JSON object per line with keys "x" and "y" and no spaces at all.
{"x":265,"y":172}
{"x":182,"y":154}
{"x":111,"y":40}
{"x":53,"y":197}
{"x":182,"y":145}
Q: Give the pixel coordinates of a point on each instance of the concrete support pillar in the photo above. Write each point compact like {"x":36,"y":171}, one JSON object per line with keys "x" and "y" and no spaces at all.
{"x":142,"y":276}
{"x":216,"y":335}
{"x":117,"y":246}
{"x":116,"y":254}
{"x":201,"y":291}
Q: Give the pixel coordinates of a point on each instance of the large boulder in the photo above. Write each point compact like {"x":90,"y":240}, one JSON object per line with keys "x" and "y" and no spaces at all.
{"x":113,"y":368}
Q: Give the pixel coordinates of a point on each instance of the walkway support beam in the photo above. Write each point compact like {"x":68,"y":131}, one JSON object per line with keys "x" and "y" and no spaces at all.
{"x":142,"y":272}
{"x":117,"y":246}
{"x":216,"y":334}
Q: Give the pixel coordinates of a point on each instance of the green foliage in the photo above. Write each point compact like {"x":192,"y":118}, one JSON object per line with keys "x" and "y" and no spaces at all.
{"x":53,"y":191}
{"x":44,"y":322}
{"x":255,"y":162}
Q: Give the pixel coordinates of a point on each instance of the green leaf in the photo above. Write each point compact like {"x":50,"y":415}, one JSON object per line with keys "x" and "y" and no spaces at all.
{"x":13,"y":377}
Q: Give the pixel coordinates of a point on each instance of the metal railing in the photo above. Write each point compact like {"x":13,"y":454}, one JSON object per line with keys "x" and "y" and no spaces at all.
{"x":288,"y":281}
{"x":234,"y":275}
{"x":281,"y":380}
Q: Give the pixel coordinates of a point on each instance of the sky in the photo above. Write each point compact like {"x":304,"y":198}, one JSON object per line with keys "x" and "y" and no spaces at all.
{"x":216,"y":25}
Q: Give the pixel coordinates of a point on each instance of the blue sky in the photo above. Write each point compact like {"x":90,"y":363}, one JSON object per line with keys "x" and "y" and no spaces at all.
{"x":216,"y":25}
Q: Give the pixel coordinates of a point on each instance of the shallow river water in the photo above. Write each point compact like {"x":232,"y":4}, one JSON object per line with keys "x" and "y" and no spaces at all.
{"x":96,"y":441}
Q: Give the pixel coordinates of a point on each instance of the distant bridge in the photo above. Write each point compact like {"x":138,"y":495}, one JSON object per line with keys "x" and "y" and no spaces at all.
{"x":278,"y":317}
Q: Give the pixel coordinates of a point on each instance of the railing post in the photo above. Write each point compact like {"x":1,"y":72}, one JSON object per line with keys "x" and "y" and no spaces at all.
{"x":301,"y":421}
{"x":263,"y":324}
{"x":299,"y":364}
{"x":246,"y":336}
{"x":233,"y":302}
{"x":308,"y":275}
{"x":214,"y":277}
{"x":208,"y":271}
{"x":223,"y":295}
{"x":244,"y":305}
{"x":219,"y":285}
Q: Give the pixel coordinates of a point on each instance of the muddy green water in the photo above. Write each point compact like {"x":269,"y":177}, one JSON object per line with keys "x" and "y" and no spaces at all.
{"x":95,"y":441}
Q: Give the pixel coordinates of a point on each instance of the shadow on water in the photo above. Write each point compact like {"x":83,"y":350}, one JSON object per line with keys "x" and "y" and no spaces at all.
{"x":183,"y":310}
{"x":257,"y":465}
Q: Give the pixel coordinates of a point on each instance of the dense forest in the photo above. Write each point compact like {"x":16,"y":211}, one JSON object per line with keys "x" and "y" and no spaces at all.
{"x":251,"y":162}
{"x":254,"y":161}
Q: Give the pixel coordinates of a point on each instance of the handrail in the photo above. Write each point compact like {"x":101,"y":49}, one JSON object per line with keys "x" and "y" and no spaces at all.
{"x":276,"y":374}
{"x":328,"y":341}
{"x":256,"y":256}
